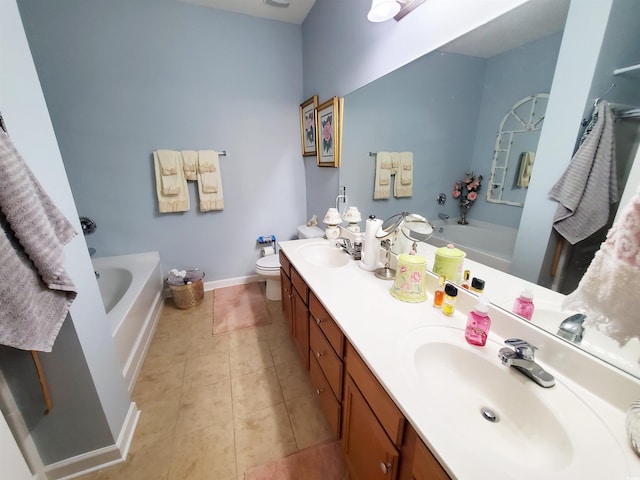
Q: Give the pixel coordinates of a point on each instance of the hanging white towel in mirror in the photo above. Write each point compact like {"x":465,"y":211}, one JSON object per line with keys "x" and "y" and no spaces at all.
{"x":526,"y":166}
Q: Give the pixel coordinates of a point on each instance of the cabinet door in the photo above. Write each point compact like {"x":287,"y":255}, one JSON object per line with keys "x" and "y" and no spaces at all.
{"x":425,"y":465}
{"x":287,"y":298}
{"x":370,"y":453}
{"x":301,"y":327}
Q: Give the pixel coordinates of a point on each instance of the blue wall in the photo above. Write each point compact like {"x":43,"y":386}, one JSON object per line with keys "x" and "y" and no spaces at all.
{"x":123,"y":78}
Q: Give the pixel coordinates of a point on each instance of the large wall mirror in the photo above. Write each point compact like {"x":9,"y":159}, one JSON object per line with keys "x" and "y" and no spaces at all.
{"x":446,"y":108}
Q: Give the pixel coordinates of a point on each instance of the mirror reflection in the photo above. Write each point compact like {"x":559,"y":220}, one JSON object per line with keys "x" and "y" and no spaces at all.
{"x":445,"y":108}
{"x":515,"y":150}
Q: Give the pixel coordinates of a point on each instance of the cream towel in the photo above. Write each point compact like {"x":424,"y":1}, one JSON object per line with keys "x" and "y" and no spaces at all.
{"x":382,"y":181}
{"x":168,"y":163}
{"x":526,"y":167}
{"x":606,"y":293}
{"x":589,"y":185}
{"x":209,"y":180}
{"x":175,"y":202}
{"x":403,"y":185}
{"x":36,"y":291}
{"x":190,"y":164}
{"x":171,"y":184}
{"x":207,"y":161}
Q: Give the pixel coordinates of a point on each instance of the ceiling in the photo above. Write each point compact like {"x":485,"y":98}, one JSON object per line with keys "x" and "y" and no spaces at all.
{"x":296,"y":12}
{"x":530,"y":21}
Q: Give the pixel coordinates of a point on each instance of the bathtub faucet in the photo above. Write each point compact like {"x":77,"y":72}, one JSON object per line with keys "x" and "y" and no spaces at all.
{"x":443,"y":216}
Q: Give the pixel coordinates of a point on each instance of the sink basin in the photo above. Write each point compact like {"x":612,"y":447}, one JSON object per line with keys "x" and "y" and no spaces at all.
{"x":496,"y":414}
{"x":324,"y":255}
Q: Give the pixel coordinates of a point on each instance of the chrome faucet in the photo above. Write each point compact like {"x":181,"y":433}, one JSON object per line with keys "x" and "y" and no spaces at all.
{"x":520,"y":357}
{"x":571,"y":328}
{"x":443,"y":216}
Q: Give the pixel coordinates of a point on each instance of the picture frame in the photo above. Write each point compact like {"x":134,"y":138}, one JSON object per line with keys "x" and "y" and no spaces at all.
{"x":308,"y":126}
{"x":329,"y":132}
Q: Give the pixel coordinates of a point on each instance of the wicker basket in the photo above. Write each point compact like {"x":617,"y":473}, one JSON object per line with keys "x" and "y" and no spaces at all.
{"x":189,"y":295}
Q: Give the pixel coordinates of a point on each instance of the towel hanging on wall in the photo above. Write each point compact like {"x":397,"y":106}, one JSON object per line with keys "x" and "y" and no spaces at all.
{"x":589,"y":185}
{"x":172,"y":192}
{"x":36,"y":291}
{"x":209,"y":181}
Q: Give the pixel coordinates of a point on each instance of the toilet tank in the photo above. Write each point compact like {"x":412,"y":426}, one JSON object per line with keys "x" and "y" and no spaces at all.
{"x":305,"y":231}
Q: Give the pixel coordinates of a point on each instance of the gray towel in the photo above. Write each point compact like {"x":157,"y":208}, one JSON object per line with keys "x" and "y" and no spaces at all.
{"x":35,"y":290}
{"x":589,"y":185}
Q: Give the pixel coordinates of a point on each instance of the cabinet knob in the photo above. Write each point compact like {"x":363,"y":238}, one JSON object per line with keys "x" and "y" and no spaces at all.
{"x":318,"y":321}
{"x":318,"y":391}
{"x":385,"y":467}
{"x":319,"y":354}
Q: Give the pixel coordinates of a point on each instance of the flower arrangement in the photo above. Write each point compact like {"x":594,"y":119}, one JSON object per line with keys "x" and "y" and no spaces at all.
{"x":467,"y":190}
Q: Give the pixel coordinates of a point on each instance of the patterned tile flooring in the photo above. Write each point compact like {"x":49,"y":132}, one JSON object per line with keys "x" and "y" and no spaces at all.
{"x":213,"y":407}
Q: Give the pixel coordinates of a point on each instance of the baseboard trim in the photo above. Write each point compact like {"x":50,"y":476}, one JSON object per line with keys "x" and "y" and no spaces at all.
{"x":229,"y":282}
{"x":97,"y":459}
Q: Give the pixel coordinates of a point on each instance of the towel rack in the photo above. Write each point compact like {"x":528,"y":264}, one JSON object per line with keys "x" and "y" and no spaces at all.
{"x":373,"y":154}
{"x":223,"y":153}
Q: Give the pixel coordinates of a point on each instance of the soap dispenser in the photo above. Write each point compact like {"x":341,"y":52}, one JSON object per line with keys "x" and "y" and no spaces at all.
{"x":523,"y":305}
{"x":478,"y":324}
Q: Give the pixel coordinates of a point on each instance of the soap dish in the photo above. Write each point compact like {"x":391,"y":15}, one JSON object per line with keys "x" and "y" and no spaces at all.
{"x":633,"y":426}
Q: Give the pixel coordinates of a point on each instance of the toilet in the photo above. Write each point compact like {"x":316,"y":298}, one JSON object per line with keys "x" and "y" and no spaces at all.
{"x":269,"y":265}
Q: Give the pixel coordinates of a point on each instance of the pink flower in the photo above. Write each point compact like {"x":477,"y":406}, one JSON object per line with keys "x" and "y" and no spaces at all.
{"x":326,"y":131}
{"x":416,"y":277}
{"x":456,"y":193}
{"x":403,"y":269}
{"x":472,"y":196}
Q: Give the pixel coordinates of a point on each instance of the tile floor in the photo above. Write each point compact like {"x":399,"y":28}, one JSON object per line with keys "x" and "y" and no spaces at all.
{"x":213,"y":407}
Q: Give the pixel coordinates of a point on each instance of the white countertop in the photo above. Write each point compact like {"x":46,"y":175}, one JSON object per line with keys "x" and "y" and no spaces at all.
{"x":378,"y":326}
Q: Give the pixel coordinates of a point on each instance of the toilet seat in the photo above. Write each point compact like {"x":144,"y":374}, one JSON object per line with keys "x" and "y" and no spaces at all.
{"x":269,"y":264}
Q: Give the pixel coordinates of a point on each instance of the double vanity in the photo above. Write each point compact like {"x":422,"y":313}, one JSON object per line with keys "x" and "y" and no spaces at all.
{"x":409,"y":398}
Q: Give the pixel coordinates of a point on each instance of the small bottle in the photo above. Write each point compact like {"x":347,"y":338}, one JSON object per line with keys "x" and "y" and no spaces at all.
{"x":523,"y":305}
{"x":449,"y":301}
{"x":478,"y":324}
{"x":465,"y":279}
{"x":438,"y":295}
{"x":477,"y":285}
{"x":357,"y":246}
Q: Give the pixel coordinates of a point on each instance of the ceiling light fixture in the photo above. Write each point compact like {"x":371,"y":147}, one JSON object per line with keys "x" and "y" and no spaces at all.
{"x":383,"y":10}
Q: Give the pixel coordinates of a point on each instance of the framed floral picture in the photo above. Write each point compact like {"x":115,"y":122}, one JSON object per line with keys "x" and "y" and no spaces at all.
{"x":308,"y":126}
{"x":329,"y":127}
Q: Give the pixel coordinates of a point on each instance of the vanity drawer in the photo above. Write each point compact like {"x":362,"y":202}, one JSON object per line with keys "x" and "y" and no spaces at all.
{"x":330,"y":406}
{"x":285,"y":264}
{"x":386,"y":411}
{"x":328,"y":361}
{"x":300,"y":285}
{"x":327,"y":324}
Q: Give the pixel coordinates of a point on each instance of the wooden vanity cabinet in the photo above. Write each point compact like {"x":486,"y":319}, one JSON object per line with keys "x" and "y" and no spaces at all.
{"x":418,"y":463}
{"x":300,"y":315}
{"x":377,"y":440}
{"x":326,"y":345}
{"x":372,"y":425}
{"x":286,"y":290}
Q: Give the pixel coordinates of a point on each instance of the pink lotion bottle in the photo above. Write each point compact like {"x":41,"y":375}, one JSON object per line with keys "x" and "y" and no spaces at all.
{"x":523,"y":305}
{"x":478,"y":324}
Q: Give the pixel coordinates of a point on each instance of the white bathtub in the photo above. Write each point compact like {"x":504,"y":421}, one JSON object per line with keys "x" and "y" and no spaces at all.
{"x":483,"y":242}
{"x":131,"y":288}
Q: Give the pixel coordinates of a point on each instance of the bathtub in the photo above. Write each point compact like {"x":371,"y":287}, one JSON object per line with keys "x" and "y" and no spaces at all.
{"x":489,"y":244}
{"x":131,"y":290}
